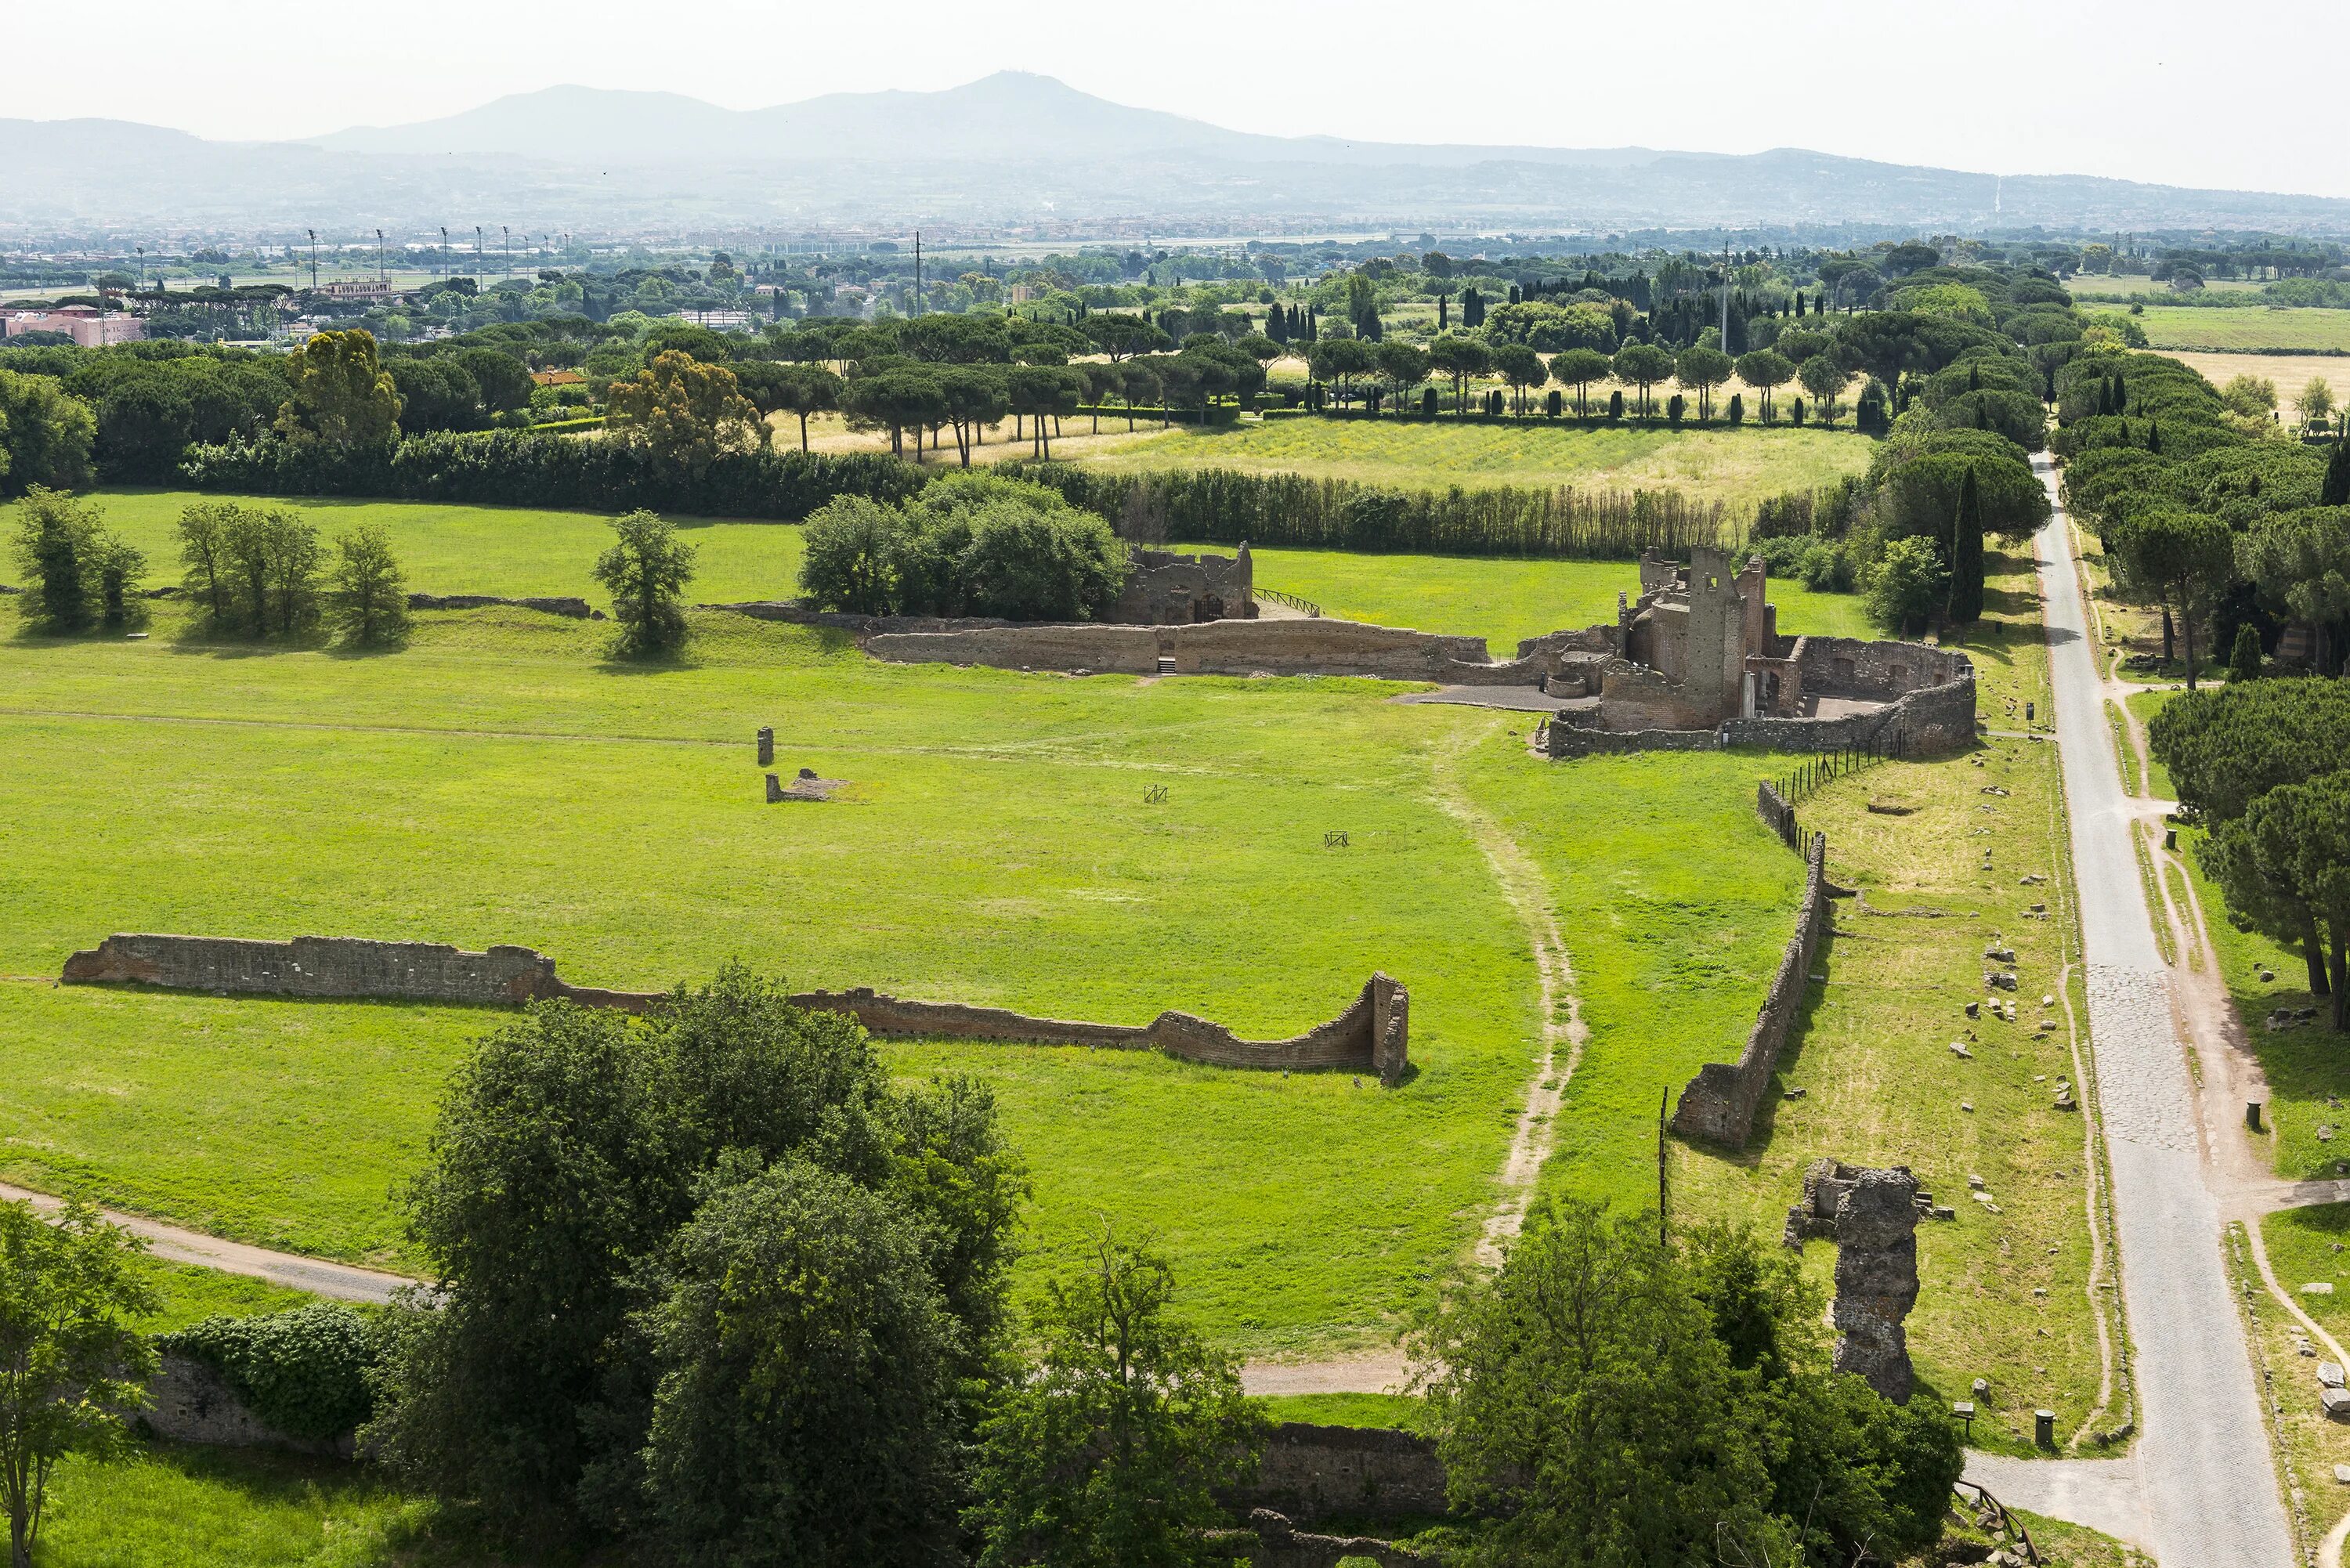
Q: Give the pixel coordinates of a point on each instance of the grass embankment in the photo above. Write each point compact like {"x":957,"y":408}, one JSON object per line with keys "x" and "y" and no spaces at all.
{"x":515,"y":552}
{"x":1737,"y":467}
{"x":2307,"y":1247}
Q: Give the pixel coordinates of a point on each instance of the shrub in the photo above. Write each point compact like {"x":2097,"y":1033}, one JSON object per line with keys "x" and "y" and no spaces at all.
{"x":646,"y":571}
{"x":532,"y":468}
{"x":305,"y":1372}
{"x":1905,"y":582}
{"x":1737,"y":409}
{"x":369,"y":599}
{"x":978,"y":545}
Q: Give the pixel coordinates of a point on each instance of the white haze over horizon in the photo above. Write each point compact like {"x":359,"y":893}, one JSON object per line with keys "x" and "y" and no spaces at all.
{"x":2156,"y":91}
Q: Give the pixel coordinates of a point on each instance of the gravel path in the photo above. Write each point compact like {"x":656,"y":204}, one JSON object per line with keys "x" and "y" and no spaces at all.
{"x":2206,"y":1486}
{"x":340,"y":1281}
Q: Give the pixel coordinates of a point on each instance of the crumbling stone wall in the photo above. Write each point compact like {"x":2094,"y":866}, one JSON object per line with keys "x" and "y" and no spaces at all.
{"x":1874,"y":672}
{"x":1272,"y":1542}
{"x":1312,"y":1473}
{"x":1372,"y":1035}
{"x":577,"y":609}
{"x":1778,"y":814}
{"x":319,"y":966}
{"x":1718,"y":1105}
{"x":1320,"y":645}
{"x":1872,"y":1217}
{"x":192,"y":1401}
{"x":1568,"y":740}
{"x":1165,"y":588}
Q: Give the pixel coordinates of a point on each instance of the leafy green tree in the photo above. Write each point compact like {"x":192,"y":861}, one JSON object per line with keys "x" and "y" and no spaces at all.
{"x":1583,"y":1402}
{"x":2244,"y":657}
{"x":1967,"y":554}
{"x":2180,"y":558}
{"x":897,"y":399}
{"x":2301,"y":562}
{"x":46,"y":435}
{"x":801,"y":390}
{"x":1905,"y":582}
{"x":116,"y":566}
{"x":341,"y":395}
{"x":1109,"y":1455}
{"x":805,"y":1412}
{"x":1765,"y":371}
{"x":2300,"y":839}
{"x":1339,"y":360}
{"x":203,"y":531}
{"x":1458,"y":356}
{"x":71,"y":1361}
{"x":849,"y":560}
{"x":972,"y":397}
{"x":303,"y":1371}
{"x":1521,"y":367}
{"x":435,"y":394}
{"x":2336,"y":491}
{"x":1121,"y":336}
{"x":1642,"y":365}
{"x":1030,"y":562}
{"x":1042,"y":393}
{"x":367,"y":596}
{"x":1825,"y":379}
{"x":1578,"y":368}
{"x":1402,"y":366}
{"x":57,"y":540}
{"x":685,"y":413}
{"x":1702,"y":367}
{"x":1138,"y":383}
{"x":646,"y":571}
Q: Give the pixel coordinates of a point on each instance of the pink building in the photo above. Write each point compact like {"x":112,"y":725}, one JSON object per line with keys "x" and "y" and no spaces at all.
{"x":85,"y":324}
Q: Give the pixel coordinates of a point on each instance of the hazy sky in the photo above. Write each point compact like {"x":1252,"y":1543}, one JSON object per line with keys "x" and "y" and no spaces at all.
{"x":2148,"y":89}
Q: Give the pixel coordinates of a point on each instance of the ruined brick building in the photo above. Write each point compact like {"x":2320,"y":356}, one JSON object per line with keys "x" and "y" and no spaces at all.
{"x":1164,"y":589}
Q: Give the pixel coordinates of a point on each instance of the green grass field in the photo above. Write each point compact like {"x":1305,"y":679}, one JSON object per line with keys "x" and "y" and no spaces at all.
{"x":2187,"y":326}
{"x":499,"y":781}
{"x":515,"y":552}
{"x":1737,"y":467}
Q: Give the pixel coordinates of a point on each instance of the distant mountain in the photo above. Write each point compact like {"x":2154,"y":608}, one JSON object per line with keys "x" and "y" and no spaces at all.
{"x":1011,"y":149}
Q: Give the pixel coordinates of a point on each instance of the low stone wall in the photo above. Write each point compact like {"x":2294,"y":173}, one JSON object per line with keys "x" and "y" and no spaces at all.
{"x":1778,"y":814}
{"x":1565,"y":740}
{"x":1933,"y":721}
{"x":190,"y":1401}
{"x":319,"y":966}
{"x":1372,"y":1035}
{"x":1308,"y":646}
{"x":577,"y":609}
{"x":1718,"y":1105}
{"x":1312,"y":1473}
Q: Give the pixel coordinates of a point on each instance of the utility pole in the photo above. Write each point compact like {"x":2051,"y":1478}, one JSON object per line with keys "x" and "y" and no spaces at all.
{"x":509,"y":235}
{"x":380,"y":275}
{"x":1725,"y":293}
{"x":918,"y":272}
{"x":478,"y":265}
{"x":445,"y":253}
{"x":313,"y":260}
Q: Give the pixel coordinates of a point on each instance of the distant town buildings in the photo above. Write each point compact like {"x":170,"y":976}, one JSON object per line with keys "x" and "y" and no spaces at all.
{"x":87,"y":325}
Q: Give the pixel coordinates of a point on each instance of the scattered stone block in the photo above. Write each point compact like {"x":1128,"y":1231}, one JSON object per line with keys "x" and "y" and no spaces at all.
{"x":2001,"y":979}
{"x":2330,"y":1374}
{"x":2000,"y":955}
{"x":1959,"y":1049}
{"x":774,"y":789}
{"x":1975,"y":1010}
{"x":1942,"y":1212}
{"x":766,"y":746}
{"x":2318,"y":1288}
{"x":1967,"y":1106}
{"x":2267,"y":975}
{"x":2335,"y":1402}
{"x":2342,"y":1474}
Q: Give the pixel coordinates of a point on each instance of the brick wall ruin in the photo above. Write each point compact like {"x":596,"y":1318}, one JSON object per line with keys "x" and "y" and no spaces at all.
{"x":574,"y":609}
{"x":1372,"y":1035}
{"x":1718,"y":1105}
{"x":1312,"y":1473}
{"x":1165,"y":588}
{"x":1872,"y":1217}
{"x":1301,"y":647}
{"x":191,"y":1401}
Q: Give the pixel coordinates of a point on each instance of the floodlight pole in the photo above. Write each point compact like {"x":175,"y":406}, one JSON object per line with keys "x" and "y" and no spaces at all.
{"x":380,"y":275}
{"x":313,"y":260}
{"x":445,"y":253}
{"x":509,"y":235}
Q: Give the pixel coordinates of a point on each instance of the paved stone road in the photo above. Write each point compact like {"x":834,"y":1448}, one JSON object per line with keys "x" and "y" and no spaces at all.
{"x":2206,"y":1489}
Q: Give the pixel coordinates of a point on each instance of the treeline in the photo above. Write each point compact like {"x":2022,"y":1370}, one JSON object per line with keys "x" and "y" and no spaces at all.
{"x":520,"y":468}
{"x":1224,"y":507}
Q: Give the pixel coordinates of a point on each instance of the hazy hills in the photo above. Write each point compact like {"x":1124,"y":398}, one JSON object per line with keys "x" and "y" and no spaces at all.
{"x":1008,"y":148}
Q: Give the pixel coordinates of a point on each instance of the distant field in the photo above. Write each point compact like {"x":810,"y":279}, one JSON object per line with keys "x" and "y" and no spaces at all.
{"x":1503,"y":600}
{"x":514,"y":551}
{"x":1738,"y":467}
{"x":2184,"y":326}
{"x":2290,"y":372}
{"x":2137,"y":283}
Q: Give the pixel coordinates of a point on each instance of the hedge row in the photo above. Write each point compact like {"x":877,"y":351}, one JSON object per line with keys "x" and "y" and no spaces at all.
{"x":1221,"y":506}
{"x":531,"y":468}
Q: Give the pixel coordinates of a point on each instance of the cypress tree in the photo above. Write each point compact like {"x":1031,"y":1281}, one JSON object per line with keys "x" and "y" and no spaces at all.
{"x":1967,"y":554}
{"x":2245,"y":659}
{"x":1443,"y":306}
{"x":2336,"y":490}
{"x":1799,"y":304}
{"x":1974,"y":377}
{"x":2154,"y":437}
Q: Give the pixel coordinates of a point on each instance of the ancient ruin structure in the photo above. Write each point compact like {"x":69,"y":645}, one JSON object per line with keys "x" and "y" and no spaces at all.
{"x":1311,"y":1473}
{"x":1372,"y":1035}
{"x":1163,"y":588}
{"x":1272,"y":1542}
{"x":1695,"y":663}
{"x":1699,"y":658}
{"x":1872,"y":1217}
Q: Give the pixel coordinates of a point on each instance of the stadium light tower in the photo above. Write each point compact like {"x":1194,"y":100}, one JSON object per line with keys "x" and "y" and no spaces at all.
{"x":445,"y":253}
{"x":314,"y":259}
